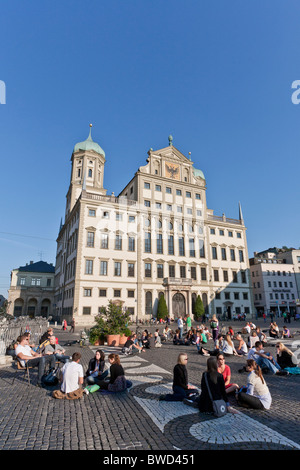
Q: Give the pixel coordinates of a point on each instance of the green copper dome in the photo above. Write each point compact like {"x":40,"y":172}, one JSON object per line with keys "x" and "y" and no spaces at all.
{"x":198,"y":173}
{"x":89,"y":144}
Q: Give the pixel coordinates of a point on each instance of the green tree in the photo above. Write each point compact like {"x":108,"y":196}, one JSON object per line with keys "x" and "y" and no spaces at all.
{"x":198,"y":308}
{"x":112,"y":319}
{"x":162,"y":309}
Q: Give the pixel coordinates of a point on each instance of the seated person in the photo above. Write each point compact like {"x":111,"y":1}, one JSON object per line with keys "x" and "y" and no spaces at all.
{"x":274,"y":330}
{"x":228,"y":347}
{"x":176,"y":339}
{"x":167,"y":333}
{"x":256,"y":395}
{"x":56,"y":349}
{"x":26,"y":355}
{"x":71,"y":380}
{"x":286,"y":333}
{"x":242,"y":348}
{"x":231,"y":332}
{"x":264,"y":360}
{"x":206,"y":332}
{"x":285,"y":357}
{"x":117,"y":382}
{"x":157,"y":340}
{"x":261,"y":336}
{"x":252,"y":339}
{"x":95,"y":371}
{"x":132,"y":346}
{"x":224,"y":369}
{"x":144,"y":341}
{"x":181,"y":387}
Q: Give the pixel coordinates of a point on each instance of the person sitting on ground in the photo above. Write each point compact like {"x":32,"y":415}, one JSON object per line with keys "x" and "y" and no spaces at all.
{"x":71,"y":379}
{"x":274,"y":330}
{"x":224,"y":369}
{"x":242,"y":348}
{"x":144,"y":340}
{"x":176,"y":339}
{"x":201,"y":350}
{"x":286,"y":333}
{"x":230,"y":332}
{"x":217,"y":387}
{"x":95,"y":371}
{"x":228,"y":348}
{"x":166,"y":334}
{"x":264,"y":360}
{"x":181,"y":387}
{"x":56,"y":349}
{"x":157,"y":340}
{"x":117,"y":382}
{"x":132,"y":345}
{"x":206,"y":331}
{"x":285,"y":357}
{"x":247,"y":328}
{"x":253,"y":338}
{"x":257,"y":394}
{"x":26,"y":355}
{"x":261,"y":336}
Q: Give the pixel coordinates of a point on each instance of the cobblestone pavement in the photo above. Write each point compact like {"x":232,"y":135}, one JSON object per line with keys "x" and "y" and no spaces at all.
{"x":136,"y":420}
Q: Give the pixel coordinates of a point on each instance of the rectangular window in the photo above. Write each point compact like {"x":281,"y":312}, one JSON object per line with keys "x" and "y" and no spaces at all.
{"x":117,"y":292}
{"x":182,"y":272}
{"x":223,"y":253}
{"x":48,"y":282}
{"x":171,"y":245}
{"x":88,"y":266}
{"x":160,"y":271}
{"x":33,"y":281}
{"x":239,"y":235}
{"x":92,"y":213}
{"x":179,"y":209}
{"x":230,"y":234}
{"x":158,"y":187}
{"x":214,"y":252}
{"x":117,"y":271}
{"x":221,"y":232}
{"x":245,"y":295}
{"x":86,"y":310}
{"x":192,"y":247}
{"x":234,"y":277}
{"x":90,"y":239}
{"x":102,"y":292}
{"x":169,"y":207}
{"x":241,"y":256}
{"x":158,"y":205}
{"x":148,"y":242}
{"x":216,"y":275}
{"x":212,"y":231}
{"x":131,"y":244}
{"x":203,"y":274}
{"x":119,"y":216}
{"x":171,"y":270}
{"x":148,"y":270}
{"x":103,"y":268}
{"x":193,"y":273}
{"x":147,"y":203}
{"x":225,"y":276}
{"x":244,"y":279}
{"x":118,"y":242}
{"x":198,"y":196}
{"x":104,"y":241}
{"x":130,"y":270}
{"x":105,"y":215}
{"x":188,"y":194}
{"x":146,"y":185}
{"x":236,"y":295}
{"x":232,"y":254}
{"x":130,"y":293}
{"x":87,"y":292}
{"x":227,"y":295}
{"x":131,"y":218}
{"x":168,"y":190}
{"x":202,"y":249}
{"x":159,"y":244}
{"x":181,"y":246}
{"x":22,"y":281}
{"x":178,"y":192}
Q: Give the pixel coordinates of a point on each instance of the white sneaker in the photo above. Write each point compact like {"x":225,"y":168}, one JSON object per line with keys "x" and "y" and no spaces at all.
{"x":86,"y":391}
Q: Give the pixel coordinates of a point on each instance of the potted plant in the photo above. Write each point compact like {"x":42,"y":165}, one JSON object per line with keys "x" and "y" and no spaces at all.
{"x":99,"y":332}
{"x":124,"y":336}
{"x":116,"y":321}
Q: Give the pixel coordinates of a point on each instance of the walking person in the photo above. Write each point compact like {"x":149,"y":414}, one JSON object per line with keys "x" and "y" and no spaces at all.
{"x":72,"y":329}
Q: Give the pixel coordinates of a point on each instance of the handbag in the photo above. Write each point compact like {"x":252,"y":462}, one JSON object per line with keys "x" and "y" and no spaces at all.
{"x":219,"y":406}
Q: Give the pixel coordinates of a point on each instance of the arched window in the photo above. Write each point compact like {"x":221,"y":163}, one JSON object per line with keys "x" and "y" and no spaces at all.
{"x":90,"y":173}
{"x":148,"y":303}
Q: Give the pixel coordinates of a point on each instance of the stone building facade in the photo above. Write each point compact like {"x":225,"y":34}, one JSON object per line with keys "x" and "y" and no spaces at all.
{"x":157,"y":236}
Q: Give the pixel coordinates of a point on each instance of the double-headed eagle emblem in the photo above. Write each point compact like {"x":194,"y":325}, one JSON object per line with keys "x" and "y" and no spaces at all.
{"x":173,"y":171}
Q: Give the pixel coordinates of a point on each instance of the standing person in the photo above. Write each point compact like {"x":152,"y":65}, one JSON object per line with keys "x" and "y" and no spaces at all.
{"x":95,"y":371}
{"x":214,"y":324}
{"x":257,"y":393}
{"x":72,"y":329}
{"x":180,"y":326}
{"x":71,"y":380}
{"x":217,"y":387}
{"x":181,"y":387}
{"x":26,"y":355}
{"x":117,"y":382}
{"x":188,"y":323}
{"x":224,"y":369}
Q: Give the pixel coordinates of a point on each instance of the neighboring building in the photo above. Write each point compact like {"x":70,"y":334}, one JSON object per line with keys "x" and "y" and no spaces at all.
{"x":2,"y":300}
{"x":156,"y":237}
{"x":32,"y":290}
{"x":275,"y":282}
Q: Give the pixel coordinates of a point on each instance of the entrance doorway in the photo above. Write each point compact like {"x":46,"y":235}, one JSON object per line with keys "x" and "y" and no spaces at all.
{"x":178,"y":305}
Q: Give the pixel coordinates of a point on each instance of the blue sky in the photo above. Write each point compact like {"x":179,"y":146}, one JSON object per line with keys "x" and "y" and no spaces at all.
{"x":216,"y":75}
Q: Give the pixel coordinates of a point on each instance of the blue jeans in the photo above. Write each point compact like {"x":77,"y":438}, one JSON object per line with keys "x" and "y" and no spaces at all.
{"x":180,"y":332}
{"x":178,"y":395}
{"x":263,"y":362}
{"x":94,"y":380}
{"x":62,"y":358}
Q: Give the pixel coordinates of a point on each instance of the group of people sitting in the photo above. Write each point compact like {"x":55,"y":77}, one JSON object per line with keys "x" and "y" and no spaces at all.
{"x":135,"y":345}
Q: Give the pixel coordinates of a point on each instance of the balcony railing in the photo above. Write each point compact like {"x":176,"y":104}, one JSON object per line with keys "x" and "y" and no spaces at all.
{"x":115,"y":200}
{"x":227,"y":220}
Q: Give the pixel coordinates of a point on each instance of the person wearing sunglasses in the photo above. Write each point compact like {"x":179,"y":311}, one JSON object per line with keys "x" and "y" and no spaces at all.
{"x":181,"y":387}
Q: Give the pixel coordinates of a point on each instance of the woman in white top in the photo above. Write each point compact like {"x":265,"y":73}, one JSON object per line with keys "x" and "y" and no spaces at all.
{"x":228,"y":347}
{"x":242,"y":348}
{"x":256,"y":395}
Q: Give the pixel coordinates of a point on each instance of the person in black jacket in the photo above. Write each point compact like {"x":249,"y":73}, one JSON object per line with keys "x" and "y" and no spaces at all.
{"x":116,"y":373}
{"x":181,"y":387}
{"x":95,"y":371}
{"x":217,"y":387}
{"x":285,"y":357}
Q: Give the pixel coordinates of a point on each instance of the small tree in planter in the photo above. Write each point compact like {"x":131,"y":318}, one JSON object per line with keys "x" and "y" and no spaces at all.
{"x":198,"y":309}
{"x":162,"y":309}
{"x":116,"y":321}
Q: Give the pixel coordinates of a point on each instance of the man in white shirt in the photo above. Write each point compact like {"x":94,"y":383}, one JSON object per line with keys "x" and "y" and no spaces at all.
{"x":72,"y":379}
{"x":264,"y":360}
{"x":26,"y":355}
{"x":180,"y":326}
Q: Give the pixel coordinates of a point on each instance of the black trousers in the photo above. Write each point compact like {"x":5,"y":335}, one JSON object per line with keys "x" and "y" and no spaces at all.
{"x":250,"y":401}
